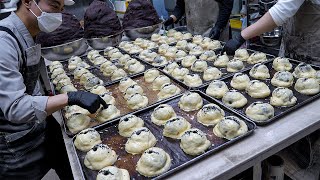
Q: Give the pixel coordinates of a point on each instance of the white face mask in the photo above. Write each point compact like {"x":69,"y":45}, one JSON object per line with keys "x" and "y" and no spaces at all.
{"x":48,"y":22}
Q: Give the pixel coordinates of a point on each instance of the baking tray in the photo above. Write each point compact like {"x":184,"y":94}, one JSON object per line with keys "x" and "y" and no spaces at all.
{"x":121,"y":102}
{"x":278,"y":111}
{"x":225,"y":73}
{"x":110,"y":136}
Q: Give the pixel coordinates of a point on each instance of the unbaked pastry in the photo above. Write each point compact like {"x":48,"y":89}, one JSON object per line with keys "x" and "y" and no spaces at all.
{"x":155,"y":37}
{"x":92,"y":53}
{"x":168,"y":90}
{"x":67,"y":88}
{"x":304,"y":70}
{"x":235,"y":65}
{"x":124,"y":59}
{"x":175,"y":127}
{"x":162,"y":114}
{"x":118,"y":74}
{"x":199,"y":66}
{"x":192,"y":80}
{"x":208,"y":56}
{"x":109,"y":70}
{"x":77,"y":122}
{"x":159,"y":61}
{"x":108,"y":113}
{"x":108,"y":98}
{"x":140,"y":140}
{"x":194,"y":142}
{"x":258,"y":89}
{"x":318,"y":76}
{"x":178,"y":36}
{"x":171,"y":32}
{"x":217,"y":89}
{"x":222,"y":61}
{"x":128,"y":124}
{"x":241,"y":54}
{"x":182,"y":44}
{"x":171,"y":52}
{"x":188,"y":61}
{"x":240,"y":81}
{"x":230,"y":127}
{"x":100,"y":156}
{"x":92,"y":82}
{"x":282,"y":79}
{"x":197,"y":39}
{"x":180,"y":73}
{"x":190,"y":101}
{"x":137,"y":101}
{"x":151,"y":74}
{"x":234,"y":99}
{"x":180,"y":55}
{"x":74,"y":109}
{"x":187,"y":36}
{"x":259,"y":111}
{"x":197,"y":51}
{"x":125,"y":83}
{"x":212,"y":73}
{"x":136,"y":68}
{"x":307,"y":86}
{"x":163,"y":48}
{"x":133,"y":89}
{"x":212,"y":45}
{"x":99,"y":90}
{"x":281,"y":64}
{"x":260,"y":71}
{"x":170,"y":67}
{"x":153,"y":162}
{"x":210,"y":114}
{"x":257,"y":57}
{"x":86,"y":139}
{"x":159,"y":81}
{"x":111,"y":172}
{"x":283,"y":97}
{"x":105,"y":65}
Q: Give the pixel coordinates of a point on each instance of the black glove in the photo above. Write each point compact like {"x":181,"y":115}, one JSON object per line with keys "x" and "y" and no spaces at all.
{"x":86,"y":100}
{"x":168,"y":22}
{"x":215,"y":33}
{"x":233,"y":44}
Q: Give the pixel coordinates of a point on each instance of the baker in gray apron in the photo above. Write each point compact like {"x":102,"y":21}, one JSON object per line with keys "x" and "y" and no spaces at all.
{"x":204,"y":17}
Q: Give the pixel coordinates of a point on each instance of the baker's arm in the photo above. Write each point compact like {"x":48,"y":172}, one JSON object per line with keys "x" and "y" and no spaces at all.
{"x":178,"y":12}
{"x":225,"y":8}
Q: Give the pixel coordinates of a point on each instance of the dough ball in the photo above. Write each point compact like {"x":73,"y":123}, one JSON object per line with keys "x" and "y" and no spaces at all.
{"x":187,"y":36}
{"x":282,"y":79}
{"x":108,"y":98}
{"x":78,"y":122}
{"x":318,"y":76}
{"x":92,"y":81}
{"x":213,"y":45}
{"x":136,"y":68}
{"x":111,"y":172}
{"x":100,"y":156}
{"x":168,"y":90}
{"x":217,"y":89}
{"x":86,"y":139}
{"x":175,"y":127}
{"x":153,"y":162}
{"x":258,"y":89}
{"x":171,"y":52}
{"x":282,"y":97}
{"x":133,"y":89}
{"x":192,"y":80}
{"x":128,"y":124}
{"x":99,"y":90}
{"x":78,"y":72}
{"x":180,"y":55}
{"x":257,"y":57}
{"x":259,"y":111}
{"x":160,"y":61}
{"x":307,"y":86}
{"x":194,"y":142}
{"x":162,"y":114}
{"x":109,"y":70}
{"x":67,"y":88}
{"x":222,"y":61}
{"x":125,"y":83}
{"x":259,"y":71}
{"x":159,"y":81}
{"x":181,"y":44}
{"x":130,"y":62}
{"x":199,"y":66}
{"x":105,"y":65}
{"x":108,"y":113}
{"x":234,"y":99}
{"x":190,"y":101}
{"x":197,"y":39}
{"x":235,"y":65}
{"x":140,"y":140}
{"x":74,"y":109}
{"x":170,"y":67}
{"x":155,"y":37}
{"x":179,"y":73}
{"x":210,"y":114}
{"x":241,"y":54}
{"x":240,"y":81}
{"x":188,"y":61}
{"x":171,"y":32}
{"x":137,"y":101}
{"x":151,"y":74}
{"x":208,"y":56}
{"x":197,"y":51}
{"x":118,"y":74}
{"x":304,"y":70}
{"x":92,"y":53}
{"x":230,"y":127}
{"x":212,"y":73}
{"x":281,"y":64}
{"x":163,"y":48}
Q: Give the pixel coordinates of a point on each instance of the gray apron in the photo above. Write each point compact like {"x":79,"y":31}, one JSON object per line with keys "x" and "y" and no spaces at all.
{"x":301,"y":38}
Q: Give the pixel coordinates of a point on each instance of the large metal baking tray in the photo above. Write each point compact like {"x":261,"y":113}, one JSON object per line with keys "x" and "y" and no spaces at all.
{"x":278,"y":111}
{"x":110,"y":136}
{"x":121,"y":102}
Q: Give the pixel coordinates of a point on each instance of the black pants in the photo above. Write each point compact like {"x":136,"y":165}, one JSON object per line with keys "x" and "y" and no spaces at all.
{"x":33,"y":157}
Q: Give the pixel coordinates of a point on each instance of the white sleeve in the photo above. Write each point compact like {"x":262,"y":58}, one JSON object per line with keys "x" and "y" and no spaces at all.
{"x":284,"y":9}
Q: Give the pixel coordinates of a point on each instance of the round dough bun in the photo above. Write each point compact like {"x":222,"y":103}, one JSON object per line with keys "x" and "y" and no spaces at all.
{"x":137,"y":101}
{"x":180,"y":73}
{"x":222,"y":61}
{"x":260,"y":71}
{"x":128,"y":124}
{"x":170,"y":67}
{"x":192,"y":80}
{"x":240,"y":81}
{"x":234,"y":99}
{"x":168,"y":90}
{"x":108,"y":98}
{"x":217,"y":89}
{"x":282,"y":97}
{"x":210,"y":114}
{"x":257,"y":57}
{"x":159,"y":81}
{"x":190,"y":101}
{"x":131,"y":90}
{"x":100,"y":156}
{"x":212,"y":73}
{"x":109,"y":113}
{"x":230,"y":127}
{"x":77,"y":122}
{"x":140,"y":140}
{"x":175,"y":127}
{"x":304,"y":70}
{"x":112,"y":172}
{"x":125,"y":83}
{"x":241,"y":54}
{"x":199,"y":66}
{"x":281,"y":64}
{"x":153,"y":162}
{"x":259,"y":111}
{"x":194,"y":142}
{"x":258,"y":89}
{"x":86,"y":139}
{"x":151,"y":74}
{"x":282,"y":79}
{"x":235,"y":65}
{"x":162,"y":114}
{"x":307,"y":86}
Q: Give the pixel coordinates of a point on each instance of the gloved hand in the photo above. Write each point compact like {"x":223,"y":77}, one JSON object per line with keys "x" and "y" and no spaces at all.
{"x":233,"y":44}
{"x":215,"y":33}
{"x":86,"y":100}
{"x":168,"y":22}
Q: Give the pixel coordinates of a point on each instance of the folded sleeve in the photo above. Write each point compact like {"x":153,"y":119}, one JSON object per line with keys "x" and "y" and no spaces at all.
{"x":284,"y":9}
{"x":179,"y":9}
